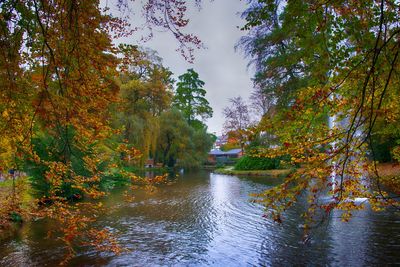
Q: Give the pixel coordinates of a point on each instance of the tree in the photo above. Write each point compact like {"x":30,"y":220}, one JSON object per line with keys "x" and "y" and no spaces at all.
{"x":174,"y":137}
{"x":279,"y":46}
{"x":261,"y":101}
{"x":237,"y":120}
{"x":343,"y":58}
{"x":146,"y":92}
{"x":190,"y":98}
{"x":200,"y":144}
{"x":57,"y":77}
{"x":179,"y":143}
{"x":57,"y":65}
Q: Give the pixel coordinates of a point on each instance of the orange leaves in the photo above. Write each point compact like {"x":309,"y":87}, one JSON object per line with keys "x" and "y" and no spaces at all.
{"x":158,"y":179}
{"x":337,"y":116}
{"x":88,"y":186}
{"x":128,"y":197}
{"x":58,"y":66}
{"x":103,"y":240}
{"x":129,"y":152}
{"x":14,"y":206}
{"x":77,"y":229}
{"x":37,"y":78}
{"x":56,"y":175}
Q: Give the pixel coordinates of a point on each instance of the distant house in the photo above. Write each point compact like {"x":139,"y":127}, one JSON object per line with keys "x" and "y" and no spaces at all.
{"x":149,"y":163}
{"x":218,"y":156}
{"x":221,"y":140}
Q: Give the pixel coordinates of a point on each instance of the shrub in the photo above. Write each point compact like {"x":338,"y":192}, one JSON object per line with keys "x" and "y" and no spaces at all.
{"x":220,"y":165}
{"x":51,"y":149}
{"x":112,"y":180}
{"x":255,"y":163}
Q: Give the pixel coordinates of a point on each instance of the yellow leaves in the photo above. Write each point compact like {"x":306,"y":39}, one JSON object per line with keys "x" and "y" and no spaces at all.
{"x":345,"y":217}
{"x":36,"y":158}
{"x":91,"y":163}
{"x":64,"y":88}
{"x":128,"y":197}
{"x":56,"y":175}
{"x":129,"y":152}
{"x":5,"y":115}
{"x":14,"y":200}
{"x":159,"y":179}
{"x":37,"y":78}
{"x":7,"y":152}
{"x":77,"y":227}
{"x":103,"y":240}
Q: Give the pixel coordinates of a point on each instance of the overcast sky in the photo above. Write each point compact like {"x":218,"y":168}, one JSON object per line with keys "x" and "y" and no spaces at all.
{"x":223,"y":70}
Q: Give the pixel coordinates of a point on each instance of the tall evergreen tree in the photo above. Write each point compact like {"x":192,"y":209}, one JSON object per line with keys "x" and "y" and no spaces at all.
{"x":190,"y":98}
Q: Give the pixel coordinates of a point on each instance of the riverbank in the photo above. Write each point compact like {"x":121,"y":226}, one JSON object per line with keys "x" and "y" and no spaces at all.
{"x":389,"y":176}
{"x":22,"y":188}
{"x":271,"y":173}
{"x":200,"y":217}
{"x":10,"y":223}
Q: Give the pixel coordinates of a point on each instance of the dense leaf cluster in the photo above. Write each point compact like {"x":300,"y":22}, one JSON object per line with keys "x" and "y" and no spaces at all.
{"x":257,"y":163}
{"x":330,"y":72}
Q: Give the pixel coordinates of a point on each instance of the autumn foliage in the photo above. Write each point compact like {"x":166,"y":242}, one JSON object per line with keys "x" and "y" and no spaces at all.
{"x":59,"y":75}
{"x":330,"y":71}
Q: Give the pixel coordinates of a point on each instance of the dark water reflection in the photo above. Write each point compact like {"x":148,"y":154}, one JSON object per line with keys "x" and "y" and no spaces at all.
{"x":207,"y":219}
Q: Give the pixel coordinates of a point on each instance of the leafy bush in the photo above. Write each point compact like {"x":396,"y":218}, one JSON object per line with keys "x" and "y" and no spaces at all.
{"x":382,"y":149}
{"x":16,"y":217}
{"x":110,"y":181}
{"x":254,"y":163}
{"x":220,"y":165}
{"x":51,"y":149}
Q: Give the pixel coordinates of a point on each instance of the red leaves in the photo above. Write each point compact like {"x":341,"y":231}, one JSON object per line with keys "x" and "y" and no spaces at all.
{"x":286,"y":144}
{"x":319,"y":95}
{"x":298,"y":105}
{"x":277,"y":218}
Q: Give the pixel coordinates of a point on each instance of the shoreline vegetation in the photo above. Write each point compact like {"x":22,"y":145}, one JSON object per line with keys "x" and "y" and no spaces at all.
{"x":278,"y":173}
{"x":80,"y":108}
{"x":12,"y":222}
{"x":388,"y":174}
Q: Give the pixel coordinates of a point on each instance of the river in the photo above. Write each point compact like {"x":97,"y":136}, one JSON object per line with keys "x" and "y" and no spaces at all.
{"x":206,"y":219}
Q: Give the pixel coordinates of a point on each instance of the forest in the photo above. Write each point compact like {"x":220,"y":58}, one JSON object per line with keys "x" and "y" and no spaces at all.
{"x":81,"y":112}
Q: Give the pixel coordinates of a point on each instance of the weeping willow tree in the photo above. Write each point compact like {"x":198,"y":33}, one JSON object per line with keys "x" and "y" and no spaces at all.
{"x":146,"y":91}
{"x":181,"y":144}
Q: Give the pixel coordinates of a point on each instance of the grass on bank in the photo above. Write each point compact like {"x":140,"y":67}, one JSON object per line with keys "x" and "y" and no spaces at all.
{"x":272,"y":173}
{"x":389,"y":174}
{"x":258,"y":166}
{"x":24,"y":186}
{"x":11,"y":221}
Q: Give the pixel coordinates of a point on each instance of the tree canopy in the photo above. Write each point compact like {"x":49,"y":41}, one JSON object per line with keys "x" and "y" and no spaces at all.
{"x":66,"y":92}
{"x":237,"y":120}
{"x":181,"y":144}
{"x":331,"y":70}
{"x":190,"y":97}
{"x":74,"y":106}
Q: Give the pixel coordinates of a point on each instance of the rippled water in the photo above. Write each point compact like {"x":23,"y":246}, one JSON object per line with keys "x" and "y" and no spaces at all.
{"x":207,"y":219}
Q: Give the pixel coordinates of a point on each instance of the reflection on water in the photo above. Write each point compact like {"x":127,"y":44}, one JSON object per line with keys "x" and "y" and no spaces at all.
{"x":207,"y":219}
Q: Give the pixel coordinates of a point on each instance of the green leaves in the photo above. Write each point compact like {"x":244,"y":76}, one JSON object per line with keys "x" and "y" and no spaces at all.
{"x":257,"y":163}
{"x":190,"y":97}
{"x":336,"y":59}
{"x":182,"y":144}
